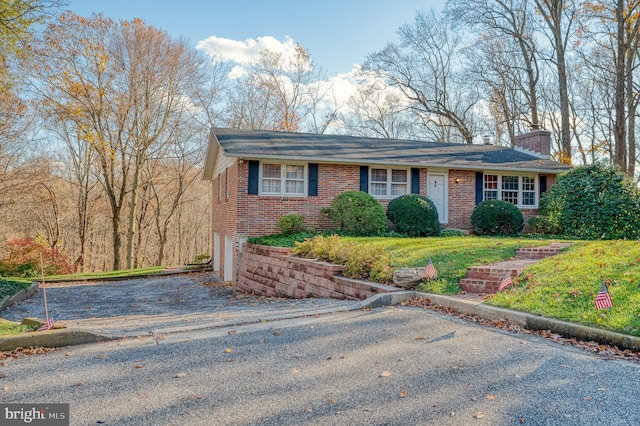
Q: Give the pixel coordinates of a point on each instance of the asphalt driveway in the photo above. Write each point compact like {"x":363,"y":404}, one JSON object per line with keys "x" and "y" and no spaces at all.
{"x":161,"y":305}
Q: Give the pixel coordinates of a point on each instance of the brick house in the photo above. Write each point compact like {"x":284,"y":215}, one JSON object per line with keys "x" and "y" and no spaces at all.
{"x":259,"y":176}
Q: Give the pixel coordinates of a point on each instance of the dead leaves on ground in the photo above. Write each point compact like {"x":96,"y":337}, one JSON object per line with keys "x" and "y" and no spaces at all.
{"x":606,"y":351}
{"x":20,"y":352}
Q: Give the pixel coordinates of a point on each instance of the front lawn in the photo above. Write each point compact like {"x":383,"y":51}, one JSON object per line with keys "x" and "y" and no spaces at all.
{"x":564,"y":286}
{"x":451,"y":256}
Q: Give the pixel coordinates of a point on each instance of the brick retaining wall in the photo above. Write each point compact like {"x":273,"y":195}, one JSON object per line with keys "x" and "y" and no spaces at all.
{"x":272,"y":271}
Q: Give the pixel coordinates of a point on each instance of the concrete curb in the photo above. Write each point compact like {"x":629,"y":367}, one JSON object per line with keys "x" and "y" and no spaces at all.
{"x":52,"y":339}
{"x":526,"y":320}
{"x":67,"y":337}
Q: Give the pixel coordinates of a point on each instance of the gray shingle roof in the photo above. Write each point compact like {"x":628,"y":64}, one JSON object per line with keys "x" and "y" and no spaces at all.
{"x":258,"y":144}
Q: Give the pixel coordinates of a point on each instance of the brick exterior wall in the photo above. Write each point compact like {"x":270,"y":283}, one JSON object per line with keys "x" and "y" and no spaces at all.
{"x":271,"y":271}
{"x":462,"y":198}
{"x":238,"y":215}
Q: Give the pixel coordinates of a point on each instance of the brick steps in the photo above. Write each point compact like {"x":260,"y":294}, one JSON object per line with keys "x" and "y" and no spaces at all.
{"x":486,"y":278}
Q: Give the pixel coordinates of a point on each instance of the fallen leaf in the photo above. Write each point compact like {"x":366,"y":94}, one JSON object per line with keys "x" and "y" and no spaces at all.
{"x":228,"y":350}
{"x":478,"y":415}
{"x":420,"y":338}
{"x":490,"y":397}
{"x":385,"y":374}
{"x":78,"y":384}
{"x":137,"y":366}
{"x":308,"y":410}
{"x":2,"y":375}
{"x":453,"y":413}
{"x":403,"y":394}
{"x":68,"y":354}
{"x":101,"y":357}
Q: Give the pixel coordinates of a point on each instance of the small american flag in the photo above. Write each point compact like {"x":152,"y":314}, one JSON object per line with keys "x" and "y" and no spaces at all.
{"x":49,"y":323}
{"x":505,"y":282}
{"x":430,"y":272}
{"x":603,"y":298}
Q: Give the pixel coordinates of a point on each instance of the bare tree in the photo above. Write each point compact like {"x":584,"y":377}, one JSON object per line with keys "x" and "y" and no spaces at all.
{"x":560,"y":16}
{"x":506,"y":24}
{"x":377,"y":110}
{"x":125,"y":85}
{"x":285,"y":93}
{"x":425,"y":66}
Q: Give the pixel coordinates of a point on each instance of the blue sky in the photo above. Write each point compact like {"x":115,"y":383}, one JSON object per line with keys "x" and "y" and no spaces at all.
{"x":338,"y":33}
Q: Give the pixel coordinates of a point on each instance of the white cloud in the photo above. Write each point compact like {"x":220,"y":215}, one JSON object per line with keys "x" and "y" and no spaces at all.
{"x":245,"y":52}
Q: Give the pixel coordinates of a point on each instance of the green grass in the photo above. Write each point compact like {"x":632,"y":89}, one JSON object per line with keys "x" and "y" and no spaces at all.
{"x":9,"y":327}
{"x":10,"y":286}
{"x":451,"y":256}
{"x":565,"y":286}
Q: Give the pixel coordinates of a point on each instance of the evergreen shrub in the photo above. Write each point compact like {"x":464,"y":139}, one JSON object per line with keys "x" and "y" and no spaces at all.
{"x":497,"y":217}
{"x":357,"y":213}
{"x":594,"y":202}
{"x":414,"y":216}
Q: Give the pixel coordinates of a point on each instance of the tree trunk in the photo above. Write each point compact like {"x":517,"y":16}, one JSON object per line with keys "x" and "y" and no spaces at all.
{"x":620,"y":152}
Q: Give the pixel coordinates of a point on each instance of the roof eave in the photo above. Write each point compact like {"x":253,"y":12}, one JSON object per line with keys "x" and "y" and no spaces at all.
{"x":212,"y":154}
{"x":439,"y":165}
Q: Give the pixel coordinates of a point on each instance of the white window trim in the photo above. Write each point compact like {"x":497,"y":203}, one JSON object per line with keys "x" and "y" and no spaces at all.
{"x":389,"y":182}
{"x":536,"y":190}
{"x":283,"y":180}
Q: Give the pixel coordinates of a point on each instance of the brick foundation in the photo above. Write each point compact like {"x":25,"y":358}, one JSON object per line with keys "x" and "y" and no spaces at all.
{"x":272,"y":271}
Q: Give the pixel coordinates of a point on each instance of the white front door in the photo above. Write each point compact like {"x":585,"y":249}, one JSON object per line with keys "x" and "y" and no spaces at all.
{"x":437,"y":192}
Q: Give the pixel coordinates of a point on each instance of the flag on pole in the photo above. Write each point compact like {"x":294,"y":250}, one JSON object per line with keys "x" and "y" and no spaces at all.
{"x":49,"y":323}
{"x":603,"y":298}
{"x":506,"y":281}
{"x":430,"y":272}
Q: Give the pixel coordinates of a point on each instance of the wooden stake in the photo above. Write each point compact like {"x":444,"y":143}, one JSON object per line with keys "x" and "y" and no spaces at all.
{"x":44,"y":290}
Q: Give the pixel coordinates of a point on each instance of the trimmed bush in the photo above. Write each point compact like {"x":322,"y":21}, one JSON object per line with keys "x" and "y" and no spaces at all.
{"x":497,"y":217}
{"x":414,"y":215}
{"x":357,"y":213}
{"x":542,"y":225}
{"x":291,"y":224}
{"x":594,"y":202}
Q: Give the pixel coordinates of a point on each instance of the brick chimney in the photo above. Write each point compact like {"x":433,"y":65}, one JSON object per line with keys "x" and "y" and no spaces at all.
{"x":536,"y":143}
